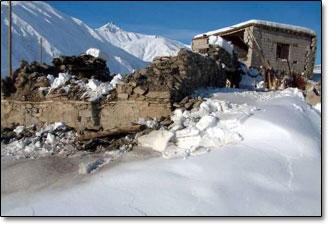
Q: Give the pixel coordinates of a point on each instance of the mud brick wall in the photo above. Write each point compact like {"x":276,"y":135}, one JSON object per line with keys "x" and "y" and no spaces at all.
{"x":81,"y":115}
{"x":77,"y":114}
{"x":123,"y":113}
{"x":302,"y":50}
{"x":179,"y":75}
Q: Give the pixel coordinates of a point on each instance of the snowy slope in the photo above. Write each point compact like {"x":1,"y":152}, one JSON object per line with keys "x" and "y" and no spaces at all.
{"x":145,"y":47}
{"x":274,"y":170}
{"x":61,"y":34}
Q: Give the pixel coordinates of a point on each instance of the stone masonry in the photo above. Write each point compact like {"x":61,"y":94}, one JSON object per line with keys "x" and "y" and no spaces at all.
{"x":149,"y":92}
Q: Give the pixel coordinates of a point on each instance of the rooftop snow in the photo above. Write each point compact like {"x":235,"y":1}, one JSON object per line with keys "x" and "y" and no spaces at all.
{"x":259,"y":22}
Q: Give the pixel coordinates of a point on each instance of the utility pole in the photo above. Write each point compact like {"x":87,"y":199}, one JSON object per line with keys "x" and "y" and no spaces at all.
{"x":10,"y":38}
{"x":41,"y":50}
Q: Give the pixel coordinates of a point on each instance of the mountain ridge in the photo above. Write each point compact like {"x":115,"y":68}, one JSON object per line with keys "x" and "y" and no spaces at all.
{"x":63,"y":34}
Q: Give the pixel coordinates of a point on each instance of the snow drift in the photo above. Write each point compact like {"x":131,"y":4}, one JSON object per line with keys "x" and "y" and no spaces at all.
{"x":274,"y":170}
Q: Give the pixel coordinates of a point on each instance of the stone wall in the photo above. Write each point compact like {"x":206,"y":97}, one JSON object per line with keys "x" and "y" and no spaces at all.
{"x":79,"y":114}
{"x":301,"y":52}
{"x":178,"y":75}
{"x":149,"y":92}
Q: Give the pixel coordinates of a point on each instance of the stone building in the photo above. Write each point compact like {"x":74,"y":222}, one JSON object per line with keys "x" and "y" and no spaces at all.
{"x":262,"y":43}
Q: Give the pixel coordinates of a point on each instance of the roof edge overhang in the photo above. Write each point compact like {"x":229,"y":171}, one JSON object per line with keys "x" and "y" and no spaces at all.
{"x":258,"y":23}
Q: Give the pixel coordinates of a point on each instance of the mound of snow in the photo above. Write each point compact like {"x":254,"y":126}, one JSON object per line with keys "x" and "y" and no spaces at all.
{"x":274,"y":171}
{"x":157,"y":139}
{"x":214,"y":124}
{"x":97,"y":53}
{"x":96,"y":89}
{"x":251,"y":78}
{"x":59,"y":81}
{"x":219,"y":41}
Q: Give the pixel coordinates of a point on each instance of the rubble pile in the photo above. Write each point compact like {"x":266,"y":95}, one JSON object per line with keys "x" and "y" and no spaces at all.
{"x":178,"y":76}
{"x":313,"y":92}
{"x":222,"y":56}
{"x":29,"y":81}
{"x":83,"y":66}
{"x":61,"y":140}
{"x":31,"y":142}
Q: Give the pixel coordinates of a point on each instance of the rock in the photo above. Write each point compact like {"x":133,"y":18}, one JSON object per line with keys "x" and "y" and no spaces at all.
{"x":160,"y":95}
{"x":197,"y":103}
{"x":176,"y":105}
{"x":133,"y":83}
{"x":140,"y":90}
{"x":123,"y":96}
{"x":157,"y":140}
{"x":189,"y":105}
{"x":184,"y":101}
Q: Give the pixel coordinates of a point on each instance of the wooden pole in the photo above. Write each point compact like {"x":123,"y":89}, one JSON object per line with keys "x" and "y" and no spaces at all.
{"x":41,"y":50}
{"x":10,"y":38}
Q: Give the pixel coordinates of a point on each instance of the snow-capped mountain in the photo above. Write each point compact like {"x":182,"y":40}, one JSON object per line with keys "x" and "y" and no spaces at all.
{"x":143,"y":46}
{"x":61,"y":34}
{"x":64,"y":35}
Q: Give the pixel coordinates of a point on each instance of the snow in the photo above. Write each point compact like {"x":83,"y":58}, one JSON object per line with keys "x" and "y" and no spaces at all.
{"x":206,"y":122}
{"x":93,"y":84}
{"x":317,"y":69}
{"x":97,"y":53}
{"x":93,"y":166}
{"x":157,"y":140}
{"x":274,"y":170}
{"x":217,"y":40}
{"x":59,"y":81}
{"x":149,"y":123}
{"x":145,"y":47}
{"x":61,"y":34}
{"x":48,"y":140}
{"x":96,"y":89}
{"x":251,"y":78}
{"x":259,"y":22}
{"x":50,"y":78}
{"x":318,"y":107}
{"x":19,"y":129}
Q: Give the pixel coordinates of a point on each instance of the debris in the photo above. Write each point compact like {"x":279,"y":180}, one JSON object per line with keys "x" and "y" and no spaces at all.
{"x":114,"y":132}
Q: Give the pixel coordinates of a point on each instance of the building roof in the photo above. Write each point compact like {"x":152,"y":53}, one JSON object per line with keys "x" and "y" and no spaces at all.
{"x":258,"y":22}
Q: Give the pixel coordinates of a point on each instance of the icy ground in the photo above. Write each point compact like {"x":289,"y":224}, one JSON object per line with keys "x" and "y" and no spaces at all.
{"x":275,"y":169}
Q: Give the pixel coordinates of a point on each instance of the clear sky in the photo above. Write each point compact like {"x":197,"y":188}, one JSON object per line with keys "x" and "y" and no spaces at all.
{"x":182,"y":20}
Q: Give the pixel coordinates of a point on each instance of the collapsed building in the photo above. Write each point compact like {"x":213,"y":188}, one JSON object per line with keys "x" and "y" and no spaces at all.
{"x":285,"y":48}
{"x":150,"y":92}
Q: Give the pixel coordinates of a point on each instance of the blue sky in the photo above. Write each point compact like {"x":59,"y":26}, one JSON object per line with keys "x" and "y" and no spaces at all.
{"x":182,"y":20}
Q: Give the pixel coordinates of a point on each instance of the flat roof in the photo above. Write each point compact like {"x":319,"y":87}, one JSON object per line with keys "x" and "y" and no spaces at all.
{"x":259,"y":22}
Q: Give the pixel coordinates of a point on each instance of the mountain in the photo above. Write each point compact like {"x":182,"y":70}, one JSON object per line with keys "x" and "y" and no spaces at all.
{"x":143,"y":46}
{"x":61,"y":35}
{"x":65,"y":35}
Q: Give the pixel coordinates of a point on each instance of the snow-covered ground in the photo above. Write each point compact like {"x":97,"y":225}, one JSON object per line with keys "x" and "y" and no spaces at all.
{"x":275,"y":169}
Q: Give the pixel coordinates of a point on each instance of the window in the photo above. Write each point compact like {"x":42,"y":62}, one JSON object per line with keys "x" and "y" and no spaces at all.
{"x":282,"y":51}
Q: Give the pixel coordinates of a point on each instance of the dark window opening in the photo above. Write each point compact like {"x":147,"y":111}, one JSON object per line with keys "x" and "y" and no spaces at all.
{"x":282,"y":51}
